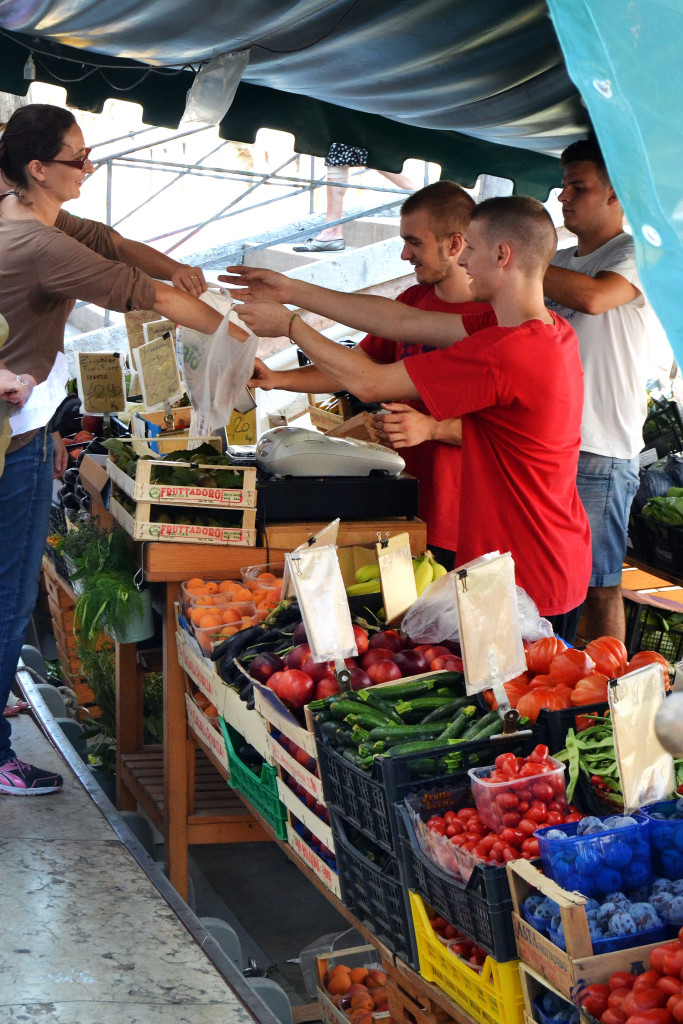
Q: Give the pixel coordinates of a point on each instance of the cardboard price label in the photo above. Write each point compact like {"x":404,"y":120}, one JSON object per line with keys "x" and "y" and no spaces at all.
{"x":134,"y":321}
{"x":153,"y":329}
{"x":101,"y":381}
{"x":322,"y":599}
{"x":490,"y":635}
{"x":158,"y":372}
{"x":396,"y":576}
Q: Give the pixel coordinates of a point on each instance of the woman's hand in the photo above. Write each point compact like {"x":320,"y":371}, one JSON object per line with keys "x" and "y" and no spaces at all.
{"x":266,"y":319}
{"x":189,"y":279}
{"x":16,"y":388}
{"x":262,"y":377}
{"x":255,"y":283}
{"x":61,"y":455}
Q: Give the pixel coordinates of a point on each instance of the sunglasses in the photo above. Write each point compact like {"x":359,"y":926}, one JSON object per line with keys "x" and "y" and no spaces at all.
{"x":79,"y":164}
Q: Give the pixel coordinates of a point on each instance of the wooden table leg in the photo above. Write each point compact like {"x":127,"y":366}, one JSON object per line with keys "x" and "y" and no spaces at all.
{"x":129,"y":717}
{"x":175,"y":753}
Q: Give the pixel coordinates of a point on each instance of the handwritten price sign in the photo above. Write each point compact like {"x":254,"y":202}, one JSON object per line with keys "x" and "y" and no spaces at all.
{"x":242,"y":428}
{"x":101,"y":382}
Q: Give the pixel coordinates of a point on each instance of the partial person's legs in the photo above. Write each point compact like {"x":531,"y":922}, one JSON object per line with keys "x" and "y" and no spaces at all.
{"x":606,"y":487}
{"x":25,"y":498}
{"x":400,"y":180}
{"x":338,"y":178}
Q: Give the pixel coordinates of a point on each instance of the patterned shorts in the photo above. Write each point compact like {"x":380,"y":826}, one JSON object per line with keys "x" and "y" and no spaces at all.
{"x":341,"y":155}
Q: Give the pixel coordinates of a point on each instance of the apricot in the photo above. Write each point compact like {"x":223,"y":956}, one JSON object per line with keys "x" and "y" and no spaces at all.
{"x":379,"y":996}
{"x":361,"y":1017}
{"x":338,"y":969}
{"x":362,"y":1002}
{"x":376,"y":978}
{"x":339,"y":985}
{"x":358,"y":975}
{"x":356,"y":988}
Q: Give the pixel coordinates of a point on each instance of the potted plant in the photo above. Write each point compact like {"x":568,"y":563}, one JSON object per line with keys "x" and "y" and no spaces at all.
{"x":104,"y":577}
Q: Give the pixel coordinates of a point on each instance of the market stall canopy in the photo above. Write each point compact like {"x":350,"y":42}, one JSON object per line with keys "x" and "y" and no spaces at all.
{"x":478,"y":86}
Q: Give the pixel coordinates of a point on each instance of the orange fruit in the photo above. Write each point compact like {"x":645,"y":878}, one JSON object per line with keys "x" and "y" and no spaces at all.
{"x":211,"y":588}
{"x":211,"y":711}
{"x":241,"y":594}
{"x":201,"y":701}
{"x":229,"y":630}
{"x":362,"y":1002}
{"x":338,"y":984}
{"x":202,"y":601}
{"x":266,"y":576}
{"x":196,"y":589}
{"x":194,"y":582}
{"x":358,"y":976}
{"x":227,"y":586}
{"x":209,"y":619}
{"x":230,"y":615}
{"x":196,"y":614}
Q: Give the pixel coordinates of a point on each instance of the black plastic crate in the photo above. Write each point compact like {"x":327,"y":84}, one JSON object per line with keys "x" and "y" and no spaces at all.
{"x":368,"y":799}
{"x":642,"y":635}
{"x":663,"y":429}
{"x":57,"y":519}
{"x":660,"y":544}
{"x":591,"y":801}
{"x":480,"y":907}
{"x":551,"y":727}
{"x":374,"y":890}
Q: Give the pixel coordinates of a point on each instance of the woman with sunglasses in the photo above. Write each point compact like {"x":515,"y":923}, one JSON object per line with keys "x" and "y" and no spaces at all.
{"x":48,"y":260}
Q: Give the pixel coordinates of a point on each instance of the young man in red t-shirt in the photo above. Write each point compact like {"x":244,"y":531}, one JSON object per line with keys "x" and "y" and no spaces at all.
{"x":517,"y":383}
{"x":433,"y":224}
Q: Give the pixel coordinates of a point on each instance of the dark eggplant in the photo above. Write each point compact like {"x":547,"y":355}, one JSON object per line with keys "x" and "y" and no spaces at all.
{"x":234,"y":645}
{"x":71,"y":476}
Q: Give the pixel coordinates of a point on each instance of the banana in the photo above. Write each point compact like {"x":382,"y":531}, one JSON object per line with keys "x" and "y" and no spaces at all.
{"x":438,"y":570}
{"x":366,"y":573}
{"x":422,"y":568}
{"x":369,"y":587}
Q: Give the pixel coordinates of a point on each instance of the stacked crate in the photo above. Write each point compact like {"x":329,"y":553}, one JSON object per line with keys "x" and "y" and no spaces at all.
{"x":61,"y":602}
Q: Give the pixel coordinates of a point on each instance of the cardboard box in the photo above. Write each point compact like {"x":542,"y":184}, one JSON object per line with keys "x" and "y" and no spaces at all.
{"x":299,"y":772}
{"x":141,"y":527}
{"x":306,"y":815}
{"x":208,"y":735}
{"x":312,"y":861}
{"x":569,"y":972}
{"x":534,"y":985}
{"x":271,"y":708}
{"x":152,"y":427}
{"x":226,"y":700}
{"x":146,"y":488}
{"x":356,"y":427}
{"x":356,"y":956}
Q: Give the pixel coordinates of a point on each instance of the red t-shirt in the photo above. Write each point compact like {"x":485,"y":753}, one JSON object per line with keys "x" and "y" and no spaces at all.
{"x":519,"y":391}
{"x":435,"y":464}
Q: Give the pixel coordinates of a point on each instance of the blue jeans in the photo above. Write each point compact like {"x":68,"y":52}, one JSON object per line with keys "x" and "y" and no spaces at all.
{"x":25,"y":499}
{"x":607,"y":488}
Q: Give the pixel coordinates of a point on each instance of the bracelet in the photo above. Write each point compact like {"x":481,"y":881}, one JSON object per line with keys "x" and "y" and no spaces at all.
{"x":289,"y":328}
{"x":20,"y":381}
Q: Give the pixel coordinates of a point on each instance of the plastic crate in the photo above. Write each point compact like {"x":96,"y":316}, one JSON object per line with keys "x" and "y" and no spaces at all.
{"x":374,"y":892}
{"x":482,"y":907}
{"x":368,"y":799}
{"x":666,"y":839}
{"x":551,"y":727}
{"x":262,"y":793}
{"x":644,"y":636}
{"x":659,"y":544}
{"x":492,"y":997}
{"x":663,"y":428}
{"x":591,"y":801}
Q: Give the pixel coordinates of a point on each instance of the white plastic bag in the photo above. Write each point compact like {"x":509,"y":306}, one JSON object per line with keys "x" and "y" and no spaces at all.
{"x":215,"y":367}
{"x":213,"y":90}
{"x":434,"y":616}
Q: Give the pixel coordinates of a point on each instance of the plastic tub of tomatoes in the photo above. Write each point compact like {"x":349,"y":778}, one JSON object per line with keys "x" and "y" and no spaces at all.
{"x":513,"y":790}
{"x":596,"y":856}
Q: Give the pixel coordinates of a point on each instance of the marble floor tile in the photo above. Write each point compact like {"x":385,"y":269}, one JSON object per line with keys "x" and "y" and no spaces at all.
{"x":85,"y":1012}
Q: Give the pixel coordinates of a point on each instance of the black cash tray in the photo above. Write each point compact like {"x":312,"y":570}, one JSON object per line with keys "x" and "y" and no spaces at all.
{"x":302,"y":499}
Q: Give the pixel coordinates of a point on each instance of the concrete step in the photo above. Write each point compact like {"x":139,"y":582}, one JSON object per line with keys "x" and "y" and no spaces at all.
{"x":366,"y":230}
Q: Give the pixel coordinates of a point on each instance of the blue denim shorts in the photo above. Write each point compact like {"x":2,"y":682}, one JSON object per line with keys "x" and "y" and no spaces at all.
{"x":607,"y":487}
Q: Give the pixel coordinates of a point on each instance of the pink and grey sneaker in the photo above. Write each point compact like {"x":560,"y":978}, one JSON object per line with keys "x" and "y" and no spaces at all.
{"x":17,"y":778}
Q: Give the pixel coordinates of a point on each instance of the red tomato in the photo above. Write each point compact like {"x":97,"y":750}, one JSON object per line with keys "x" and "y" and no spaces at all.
{"x":643,"y":999}
{"x":609,"y":654}
{"x":676,"y":1010}
{"x":530,"y":704}
{"x":591,"y":689}
{"x":613,"y":1015}
{"x":541,"y":682}
{"x":672,"y":963}
{"x":593,"y":999}
{"x":617,"y":995}
{"x":621,"y":979}
{"x":670,"y":986}
{"x":569,"y":666}
{"x":542,"y":652}
{"x":361,"y":637}
{"x":657,"y":958}
{"x":647,"y":658}
{"x":655,"y":1015}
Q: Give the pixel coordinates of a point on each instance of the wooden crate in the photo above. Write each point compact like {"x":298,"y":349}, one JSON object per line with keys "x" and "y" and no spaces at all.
{"x":356,"y":956}
{"x":146,"y":488}
{"x":412,"y":1000}
{"x":141,"y":526}
{"x":535,"y":985}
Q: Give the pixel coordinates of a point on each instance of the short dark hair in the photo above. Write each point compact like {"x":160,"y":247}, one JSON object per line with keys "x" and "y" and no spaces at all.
{"x":448,"y":204}
{"x":523,"y":222}
{"x":588,"y":150}
{"x":33,"y":132}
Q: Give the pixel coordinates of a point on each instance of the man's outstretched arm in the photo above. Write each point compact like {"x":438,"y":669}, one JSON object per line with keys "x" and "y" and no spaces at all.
{"x":371,"y":313}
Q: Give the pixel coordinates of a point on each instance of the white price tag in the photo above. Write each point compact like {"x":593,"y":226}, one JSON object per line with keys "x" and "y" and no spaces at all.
{"x":324,"y":605}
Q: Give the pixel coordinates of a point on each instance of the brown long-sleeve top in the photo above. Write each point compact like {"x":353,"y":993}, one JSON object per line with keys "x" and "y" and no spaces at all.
{"x":43,"y":271}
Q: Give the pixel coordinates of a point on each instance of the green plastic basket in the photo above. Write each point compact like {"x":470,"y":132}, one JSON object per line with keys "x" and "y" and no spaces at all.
{"x":261,"y":792}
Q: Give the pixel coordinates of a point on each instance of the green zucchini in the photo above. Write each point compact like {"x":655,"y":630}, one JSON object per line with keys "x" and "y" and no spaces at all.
{"x":397,"y":732}
{"x":373,"y":701}
{"x":459,"y":724}
{"x":481,"y":725}
{"x":435,"y":707}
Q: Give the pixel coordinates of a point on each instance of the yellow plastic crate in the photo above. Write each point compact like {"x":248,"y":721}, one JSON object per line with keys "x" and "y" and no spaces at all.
{"x":492,"y":997}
